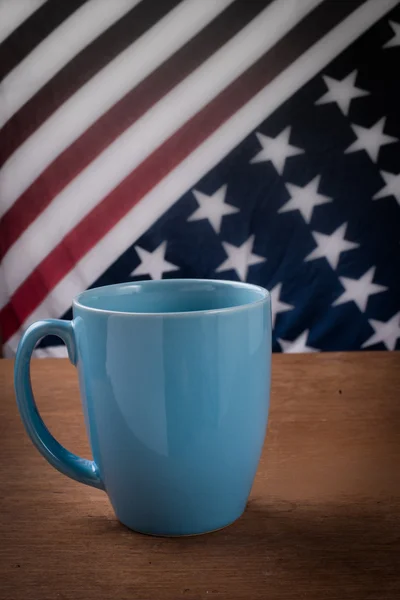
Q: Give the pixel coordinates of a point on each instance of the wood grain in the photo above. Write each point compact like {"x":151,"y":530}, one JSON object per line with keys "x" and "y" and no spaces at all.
{"x":323,"y":521}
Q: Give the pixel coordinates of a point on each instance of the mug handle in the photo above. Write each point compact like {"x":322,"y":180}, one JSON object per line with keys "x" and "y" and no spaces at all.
{"x":80,"y":469}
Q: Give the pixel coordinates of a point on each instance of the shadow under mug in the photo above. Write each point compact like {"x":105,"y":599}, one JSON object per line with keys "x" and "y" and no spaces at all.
{"x":174,"y":377}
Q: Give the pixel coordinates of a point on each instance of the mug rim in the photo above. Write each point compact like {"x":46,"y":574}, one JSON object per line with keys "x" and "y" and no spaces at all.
{"x":266,"y":296}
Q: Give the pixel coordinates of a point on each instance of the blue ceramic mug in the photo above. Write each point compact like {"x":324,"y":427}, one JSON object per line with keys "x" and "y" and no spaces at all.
{"x":174,"y":377}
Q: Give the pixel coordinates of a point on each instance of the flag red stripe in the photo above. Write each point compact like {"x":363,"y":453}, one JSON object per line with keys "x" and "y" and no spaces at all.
{"x":130,"y":108}
{"x":32,"y":31}
{"x":151,"y":171}
{"x":78,"y":71}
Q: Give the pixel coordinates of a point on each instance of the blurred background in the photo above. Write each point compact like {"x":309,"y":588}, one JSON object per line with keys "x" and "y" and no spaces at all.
{"x":253,"y":140}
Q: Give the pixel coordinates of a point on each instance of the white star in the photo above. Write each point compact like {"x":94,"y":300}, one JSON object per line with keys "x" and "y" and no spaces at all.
{"x":395,"y":40}
{"x":277,"y":305}
{"x":153,"y":263}
{"x":371,"y":139}
{"x":240,"y":258}
{"x":331,"y":246}
{"x":212,"y":208}
{"x":304,"y":198}
{"x":297,"y":345}
{"x":341,"y":91}
{"x":277,"y":150}
{"x":387,"y":332}
{"x":392,"y":187}
{"x":359,"y":290}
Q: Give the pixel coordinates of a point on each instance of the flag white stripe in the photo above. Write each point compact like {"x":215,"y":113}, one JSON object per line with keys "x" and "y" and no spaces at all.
{"x":47,"y":352}
{"x":51,"y":352}
{"x":100,"y":93}
{"x":13,"y":14}
{"x":56,"y":50}
{"x":79,"y":197}
{"x":227,"y":137}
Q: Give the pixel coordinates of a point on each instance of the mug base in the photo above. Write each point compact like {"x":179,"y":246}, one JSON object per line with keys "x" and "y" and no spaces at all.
{"x":180,"y":535}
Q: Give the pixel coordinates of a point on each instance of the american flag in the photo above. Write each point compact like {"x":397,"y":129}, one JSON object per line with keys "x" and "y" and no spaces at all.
{"x":255,"y":140}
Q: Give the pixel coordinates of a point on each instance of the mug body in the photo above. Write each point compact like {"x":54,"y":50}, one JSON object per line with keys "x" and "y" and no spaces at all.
{"x":174,"y":378}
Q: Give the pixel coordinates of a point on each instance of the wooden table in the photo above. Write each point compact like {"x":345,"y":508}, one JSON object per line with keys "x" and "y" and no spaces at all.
{"x":323,"y":521}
